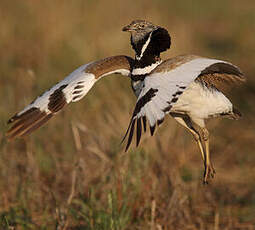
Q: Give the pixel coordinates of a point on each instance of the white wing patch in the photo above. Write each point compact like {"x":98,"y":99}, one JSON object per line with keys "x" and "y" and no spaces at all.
{"x":76,"y":78}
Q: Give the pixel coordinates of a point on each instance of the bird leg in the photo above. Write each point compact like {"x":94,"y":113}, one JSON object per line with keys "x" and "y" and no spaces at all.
{"x":186,"y":122}
{"x":200,"y":135}
{"x":200,"y":146}
{"x":209,"y":170}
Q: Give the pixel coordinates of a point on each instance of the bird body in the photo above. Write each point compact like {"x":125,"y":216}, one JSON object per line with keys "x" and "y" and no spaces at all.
{"x":187,"y":87}
{"x":179,"y":86}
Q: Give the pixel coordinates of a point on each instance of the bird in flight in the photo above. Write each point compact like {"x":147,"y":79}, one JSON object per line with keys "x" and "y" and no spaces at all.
{"x":187,"y":87}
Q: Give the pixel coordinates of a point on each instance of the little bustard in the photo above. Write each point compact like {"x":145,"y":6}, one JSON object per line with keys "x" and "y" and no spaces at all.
{"x":186,"y":87}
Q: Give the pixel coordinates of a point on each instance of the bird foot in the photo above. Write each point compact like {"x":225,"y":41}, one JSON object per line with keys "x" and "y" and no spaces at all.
{"x":208,"y":173}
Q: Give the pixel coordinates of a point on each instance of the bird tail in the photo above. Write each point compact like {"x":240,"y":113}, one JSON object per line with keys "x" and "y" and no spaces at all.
{"x":236,"y":114}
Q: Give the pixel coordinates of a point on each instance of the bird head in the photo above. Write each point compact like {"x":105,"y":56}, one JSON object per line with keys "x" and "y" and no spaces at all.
{"x":139,"y":29}
{"x":147,"y":39}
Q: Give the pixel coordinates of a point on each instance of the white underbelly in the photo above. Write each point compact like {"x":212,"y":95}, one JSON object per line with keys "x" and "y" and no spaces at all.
{"x":201,"y":102}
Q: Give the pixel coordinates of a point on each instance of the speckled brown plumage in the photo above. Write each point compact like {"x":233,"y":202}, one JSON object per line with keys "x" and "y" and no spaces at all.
{"x":172,"y":63}
{"x":109,"y":64}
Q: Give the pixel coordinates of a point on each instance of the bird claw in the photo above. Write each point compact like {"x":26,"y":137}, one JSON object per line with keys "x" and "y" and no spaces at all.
{"x":208,"y":173}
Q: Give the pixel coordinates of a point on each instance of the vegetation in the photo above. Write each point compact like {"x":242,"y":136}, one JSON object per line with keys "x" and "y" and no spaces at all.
{"x":73,"y":172}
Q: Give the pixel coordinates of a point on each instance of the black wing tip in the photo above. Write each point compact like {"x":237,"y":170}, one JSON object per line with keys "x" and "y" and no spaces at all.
{"x":138,"y":131}
{"x":131,"y":129}
{"x":126,"y":149}
{"x":144,"y":124}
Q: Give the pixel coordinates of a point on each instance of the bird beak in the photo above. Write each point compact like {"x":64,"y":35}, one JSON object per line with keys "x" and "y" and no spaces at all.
{"x":127,"y":28}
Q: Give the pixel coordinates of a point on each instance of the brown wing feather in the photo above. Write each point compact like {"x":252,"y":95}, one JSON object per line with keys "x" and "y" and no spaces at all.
{"x":32,"y":119}
{"x":27,"y":122}
{"x":221,"y":76}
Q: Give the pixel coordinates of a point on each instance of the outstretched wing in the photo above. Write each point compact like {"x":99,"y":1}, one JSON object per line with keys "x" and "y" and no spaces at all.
{"x":162,"y":88}
{"x":73,"y":88}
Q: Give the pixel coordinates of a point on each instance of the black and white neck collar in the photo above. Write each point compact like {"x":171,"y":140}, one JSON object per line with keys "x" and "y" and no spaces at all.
{"x":144,"y":70}
{"x":151,"y":45}
{"x":148,"y":51}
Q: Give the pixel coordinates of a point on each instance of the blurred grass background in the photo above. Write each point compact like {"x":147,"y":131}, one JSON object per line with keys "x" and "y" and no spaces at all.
{"x":73,"y":173}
